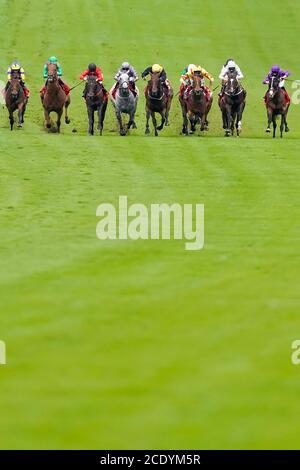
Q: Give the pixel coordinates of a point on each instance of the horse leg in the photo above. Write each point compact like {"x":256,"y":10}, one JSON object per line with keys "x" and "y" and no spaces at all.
{"x":90,"y":112}
{"x":154,"y":122}
{"x":23,"y":112}
{"x":185,"y":120}
{"x":224,"y":119}
{"x":11,"y":119}
{"x":270,"y":117}
{"x":163,"y":120}
{"x":147,"y":131}
{"x":282,"y":125}
{"x":131,"y":120}
{"x":20,"y":115}
{"x":47,"y":119}
{"x":192,"y":122}
{"x":274,"y":125}
{"x":228,"y":119}
{"x":58,"y":122}
{"x":203,"y":122}
{"x":239,"y":120}
{"x":167,"y":123}
{"x":285,"y":120}
{"x":100,"y":119}
{"x":119,"y":117}
{"x":67,"y":104}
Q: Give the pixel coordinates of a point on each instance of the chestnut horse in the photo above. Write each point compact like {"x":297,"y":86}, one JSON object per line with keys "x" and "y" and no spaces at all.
{"x":195,"y":105}
{"x":15,"y":99}
{"x":55,"y":99}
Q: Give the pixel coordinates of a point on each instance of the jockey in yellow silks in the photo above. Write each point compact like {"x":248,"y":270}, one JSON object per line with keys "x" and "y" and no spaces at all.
{"x":187,"y":77}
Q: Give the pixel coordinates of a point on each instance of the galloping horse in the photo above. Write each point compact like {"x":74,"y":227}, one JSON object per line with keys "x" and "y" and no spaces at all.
{"x":15,"y":99}
{"x":232,"y":105}
{"x":195,"y":105}
{"x":96,"y":101}
{"x":125,"y":101}
{"x":157,"y":101}
{"x":277,"y":105}
{"x":55,"y":99}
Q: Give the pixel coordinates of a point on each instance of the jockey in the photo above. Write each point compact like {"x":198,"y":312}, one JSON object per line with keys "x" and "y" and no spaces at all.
{"x":133,"y":77}
{"x":185,"y":78}
{"x":229,"y":67}
{"x":188,"y":77}
{"x":156,"y":68}
{"x":127,"y":68}
{"x":277,"y":72}
{"x":65,"y":87}
{"x":16,"y":70}
{"x":93,"y":70}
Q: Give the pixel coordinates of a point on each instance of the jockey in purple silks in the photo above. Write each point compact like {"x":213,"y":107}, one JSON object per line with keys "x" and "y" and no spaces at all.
{"x":276,"y":71}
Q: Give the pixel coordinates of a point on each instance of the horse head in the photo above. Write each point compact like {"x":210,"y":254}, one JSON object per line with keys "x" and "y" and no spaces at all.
{"x":197,"y":83}
{"x":155,"y":86}
{"x":232,"y":85}
{"x":15,"y":88}
{"x":52,"y":73}
{"x":124,"y":84}
{"x":274,"y":86}
{"x":91,"y":87}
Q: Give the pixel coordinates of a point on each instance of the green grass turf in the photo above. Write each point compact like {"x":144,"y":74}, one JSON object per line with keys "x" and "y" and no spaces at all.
{"x":142,"y":344}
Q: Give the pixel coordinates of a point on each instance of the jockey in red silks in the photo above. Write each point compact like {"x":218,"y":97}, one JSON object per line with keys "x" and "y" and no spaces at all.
{"x":15,"y":70}
{"x":133,"y":77}
{"x":93,"y":70}
{"x":277,"y":72}
{"x":65,"y":87}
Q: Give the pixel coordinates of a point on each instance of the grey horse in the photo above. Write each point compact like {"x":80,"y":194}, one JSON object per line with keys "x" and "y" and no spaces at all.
{"x":125,"y":101}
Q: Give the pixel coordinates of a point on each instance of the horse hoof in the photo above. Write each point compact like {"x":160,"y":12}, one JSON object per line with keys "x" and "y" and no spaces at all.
{"x":160,"y":128}
{"x":287,"y":129}
{"x":134,"y":126}
{"x":147,"y":131}
{"x":67,"y":121}
{"x":268,"y":130}
{"x":20,"y":126}
{"x":48,"y":126}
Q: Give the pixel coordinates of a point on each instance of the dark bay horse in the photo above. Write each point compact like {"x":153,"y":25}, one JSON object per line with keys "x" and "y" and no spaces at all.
{"x":276,"y":106}
{"x":232,"y":105}
{"x":15,"y":99}
{"x":55,"y":99}
{"x":157,"y":101}
{"x":96,"y":101}
{"x":195,"y":105}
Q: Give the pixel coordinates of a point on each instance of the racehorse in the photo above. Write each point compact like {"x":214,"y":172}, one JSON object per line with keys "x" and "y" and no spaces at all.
{"x":55,"y":99}
{"x":195,"y":105}
{"x":96,"y":101}
{"x":232,"y":104}
{"x":157,"y":101}
{"x":277,"y":105}
{"x":15,"y":99}
{"x":125,"y":101}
